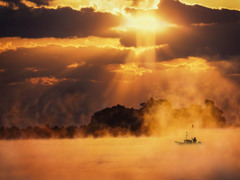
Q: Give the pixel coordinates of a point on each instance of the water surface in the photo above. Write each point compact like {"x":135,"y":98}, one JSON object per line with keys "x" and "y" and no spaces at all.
{"x":124,"y":158}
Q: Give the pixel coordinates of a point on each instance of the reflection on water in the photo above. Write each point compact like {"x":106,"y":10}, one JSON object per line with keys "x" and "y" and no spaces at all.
{"x":124,"y":158}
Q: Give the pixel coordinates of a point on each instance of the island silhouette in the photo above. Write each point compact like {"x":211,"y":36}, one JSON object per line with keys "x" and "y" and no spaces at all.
{"x":120,"y":121}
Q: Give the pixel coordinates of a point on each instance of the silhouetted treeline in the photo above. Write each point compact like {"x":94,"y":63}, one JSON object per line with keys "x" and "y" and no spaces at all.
{"x":153,"y":116}
{"x":42,"y":132}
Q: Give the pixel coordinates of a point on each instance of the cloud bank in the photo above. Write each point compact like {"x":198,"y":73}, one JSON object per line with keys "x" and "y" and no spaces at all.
{"x":194,"y":60}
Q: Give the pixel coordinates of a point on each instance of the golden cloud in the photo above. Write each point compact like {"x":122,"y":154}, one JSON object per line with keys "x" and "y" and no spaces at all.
{"x":75,"y":65}
{"x":132,"y":69}
{"x":46,"y":81}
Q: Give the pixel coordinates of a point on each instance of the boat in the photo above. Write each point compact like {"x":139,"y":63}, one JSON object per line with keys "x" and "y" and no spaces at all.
{"x":188,"y":141}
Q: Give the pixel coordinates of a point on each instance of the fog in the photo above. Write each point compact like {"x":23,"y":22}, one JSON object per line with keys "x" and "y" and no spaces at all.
{"x":125,"y":158}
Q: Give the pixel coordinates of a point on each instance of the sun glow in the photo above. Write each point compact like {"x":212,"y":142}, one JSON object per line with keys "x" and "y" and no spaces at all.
{"x":144,"y":23}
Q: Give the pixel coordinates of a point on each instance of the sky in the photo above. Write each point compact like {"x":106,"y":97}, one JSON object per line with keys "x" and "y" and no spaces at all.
{"x":61,"y":61}
{"x":233,"y":4}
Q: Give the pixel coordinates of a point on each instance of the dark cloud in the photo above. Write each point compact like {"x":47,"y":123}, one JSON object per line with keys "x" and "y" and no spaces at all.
{"x":61,"y":22}
{"x":199,"y":31}
{"x":18,"y":3}
{"x":38,"y":87}
{"x":41,"y":2}
{"x":179,"y":13}
{"x":214,"y":40}
{"x":53,"y":61}
{"x":222,"y":40}
{"x":14,"y":3}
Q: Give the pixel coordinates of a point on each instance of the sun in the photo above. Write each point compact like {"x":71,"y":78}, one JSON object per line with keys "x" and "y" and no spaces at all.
{"x":144,"y":23}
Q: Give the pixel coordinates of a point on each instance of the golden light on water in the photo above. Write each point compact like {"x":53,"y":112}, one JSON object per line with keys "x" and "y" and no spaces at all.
{"x":124,"y":158}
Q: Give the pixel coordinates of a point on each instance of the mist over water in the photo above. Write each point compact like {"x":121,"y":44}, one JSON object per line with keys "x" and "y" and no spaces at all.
{"x":135,"y":70}
{"x":125,"y":158}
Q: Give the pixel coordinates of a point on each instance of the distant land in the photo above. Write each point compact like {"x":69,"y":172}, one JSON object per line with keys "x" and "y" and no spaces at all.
{"x":152,"y":116}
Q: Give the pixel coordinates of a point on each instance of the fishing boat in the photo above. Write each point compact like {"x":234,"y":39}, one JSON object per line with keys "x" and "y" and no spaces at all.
{"x":189,"y":141}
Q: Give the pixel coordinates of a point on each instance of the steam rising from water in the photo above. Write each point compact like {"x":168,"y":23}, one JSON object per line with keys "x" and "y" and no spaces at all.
{"x":124,"y":158}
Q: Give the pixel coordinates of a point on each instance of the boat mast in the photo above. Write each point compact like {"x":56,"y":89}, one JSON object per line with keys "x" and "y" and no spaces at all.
{"x":186,"y":135}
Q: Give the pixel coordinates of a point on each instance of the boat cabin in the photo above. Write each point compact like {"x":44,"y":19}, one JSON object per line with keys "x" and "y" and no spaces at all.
{"x":187,"y":141}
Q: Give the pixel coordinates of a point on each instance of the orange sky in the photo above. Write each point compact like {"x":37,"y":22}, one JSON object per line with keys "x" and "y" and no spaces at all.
{"x":119,"y":52}
{"x":116,"y":6}
{"x":64,"y":62}
{"x":231,"y":4}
